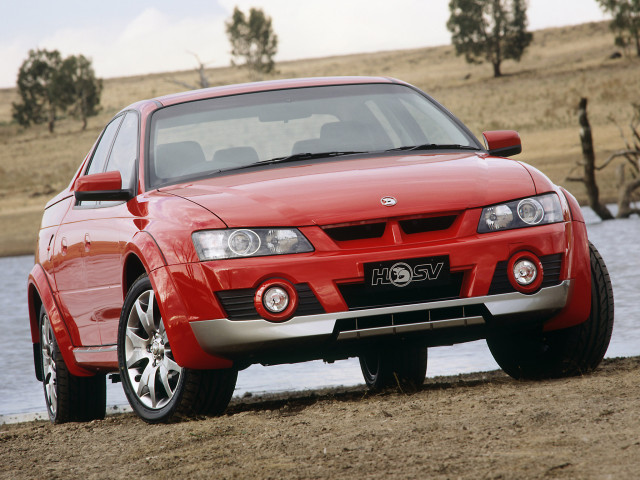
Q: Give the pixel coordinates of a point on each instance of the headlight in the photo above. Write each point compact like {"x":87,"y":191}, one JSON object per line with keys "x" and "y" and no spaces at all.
{"x":245,"y":242}
{"x":528,"y":212}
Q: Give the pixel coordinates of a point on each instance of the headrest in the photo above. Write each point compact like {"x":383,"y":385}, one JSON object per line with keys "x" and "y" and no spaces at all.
{"x":172,"y":159}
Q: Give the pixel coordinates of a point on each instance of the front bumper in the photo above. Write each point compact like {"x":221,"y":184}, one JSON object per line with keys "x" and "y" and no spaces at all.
{"x":250,"y":338}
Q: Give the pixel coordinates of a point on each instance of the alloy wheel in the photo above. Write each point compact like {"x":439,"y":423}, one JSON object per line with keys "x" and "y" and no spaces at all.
{"x":49,"y":375}
{"x":152,"y":371}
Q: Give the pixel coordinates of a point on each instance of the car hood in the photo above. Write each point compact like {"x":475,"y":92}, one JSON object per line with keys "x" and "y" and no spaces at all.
{"x":348,"y":190}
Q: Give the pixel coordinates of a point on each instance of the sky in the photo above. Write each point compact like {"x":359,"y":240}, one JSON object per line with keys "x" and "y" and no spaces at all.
{"x":125,"y":37}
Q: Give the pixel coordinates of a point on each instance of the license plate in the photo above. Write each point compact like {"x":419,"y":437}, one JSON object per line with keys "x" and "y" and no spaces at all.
{"x":414,"y":272}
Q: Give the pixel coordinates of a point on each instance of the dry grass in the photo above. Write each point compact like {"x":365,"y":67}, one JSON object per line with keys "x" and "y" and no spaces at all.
{"x":538,"y":97}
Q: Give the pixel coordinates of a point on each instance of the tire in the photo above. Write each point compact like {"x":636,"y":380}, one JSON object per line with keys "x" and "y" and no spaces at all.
{"x":157,"y":388}
{"x":561,"y":353}
{"x":69,"y":398}
{"x":403,"y":366}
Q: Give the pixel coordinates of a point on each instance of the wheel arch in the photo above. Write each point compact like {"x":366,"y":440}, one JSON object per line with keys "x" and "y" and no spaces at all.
{"x":35,"y":304}
{"x":133,"y":268}
{"x":142,"y":255}
{"x":40,"y":294}
{"x":578,"y":260}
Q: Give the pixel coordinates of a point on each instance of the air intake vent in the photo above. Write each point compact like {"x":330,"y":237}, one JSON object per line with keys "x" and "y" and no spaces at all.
{"x":356,"y":232}
{"x":238,"y":304}
{"x":551,"y":267}
{"x":431,"y":224}
{"x":465,"y":315}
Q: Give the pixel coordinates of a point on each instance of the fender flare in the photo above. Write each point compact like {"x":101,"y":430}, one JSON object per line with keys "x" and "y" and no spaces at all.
{"x":147,"y":251}
{"x":578,"y":267}
{"x":185,"y":346}
{"x":41,"y":293}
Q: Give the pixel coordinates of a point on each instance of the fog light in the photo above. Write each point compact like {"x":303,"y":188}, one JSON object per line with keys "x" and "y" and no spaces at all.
{"x":276,"y":300}
{"x":525,"y":272}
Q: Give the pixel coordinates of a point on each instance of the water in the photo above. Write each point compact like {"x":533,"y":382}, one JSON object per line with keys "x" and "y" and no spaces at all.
{"x":618,"y":241}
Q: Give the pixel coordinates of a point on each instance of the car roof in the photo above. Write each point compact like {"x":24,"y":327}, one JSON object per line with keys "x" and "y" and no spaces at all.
{"x":265,"y":86}
{"x":235,"y":89}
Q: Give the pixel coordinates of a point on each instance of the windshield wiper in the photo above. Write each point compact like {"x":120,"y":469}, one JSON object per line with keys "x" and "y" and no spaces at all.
{"x":292,"y":158}
{"x":433,"y":146}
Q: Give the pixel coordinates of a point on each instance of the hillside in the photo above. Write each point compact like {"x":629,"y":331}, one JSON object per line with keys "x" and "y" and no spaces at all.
{"x":537,"y":97}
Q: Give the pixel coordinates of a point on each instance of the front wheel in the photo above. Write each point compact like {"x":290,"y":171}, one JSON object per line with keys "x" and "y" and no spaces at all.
{"x":69,"y":398}
{"x":403,"y":365}
{"x":561,"y":353}
{"x":158,"y":389}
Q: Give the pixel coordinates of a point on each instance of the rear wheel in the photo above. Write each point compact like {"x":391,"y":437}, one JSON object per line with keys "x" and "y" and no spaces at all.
{"x":69,"y":398}
{"x":398,"y":365}
{"x":561,"y":353}
{"x":158,"y":389}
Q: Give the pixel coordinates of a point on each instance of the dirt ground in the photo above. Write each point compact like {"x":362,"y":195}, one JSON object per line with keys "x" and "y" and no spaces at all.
{"x":477,"y":426}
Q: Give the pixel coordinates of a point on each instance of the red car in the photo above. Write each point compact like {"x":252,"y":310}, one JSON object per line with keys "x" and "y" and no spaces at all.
{"x":286,"y":221}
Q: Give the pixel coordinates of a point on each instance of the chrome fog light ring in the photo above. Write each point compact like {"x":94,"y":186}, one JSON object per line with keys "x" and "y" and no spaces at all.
{"x":525,"y":272}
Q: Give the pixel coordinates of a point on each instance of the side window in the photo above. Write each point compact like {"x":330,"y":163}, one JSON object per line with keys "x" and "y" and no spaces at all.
{"x":102,"y":150}
{"x":125,"y":150}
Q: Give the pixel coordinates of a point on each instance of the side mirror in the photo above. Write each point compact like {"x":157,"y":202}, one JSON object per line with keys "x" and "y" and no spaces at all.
{"x":502,"y":143}
{"x":106,"y":186}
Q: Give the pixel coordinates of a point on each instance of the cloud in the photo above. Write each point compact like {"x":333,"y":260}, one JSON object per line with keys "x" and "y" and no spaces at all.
{"x":12,"y":55}
{"x":150,"y":42}
{"x":331,"y":27}
{"x":157,"y":41}
{"x":552,"y":13}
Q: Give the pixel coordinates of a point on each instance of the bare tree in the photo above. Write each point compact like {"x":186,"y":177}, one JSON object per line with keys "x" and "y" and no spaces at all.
{"x":203,"y":80}
{"x":627,"y":184}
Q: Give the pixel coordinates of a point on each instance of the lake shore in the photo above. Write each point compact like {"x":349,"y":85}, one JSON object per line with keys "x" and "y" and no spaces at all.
{"x":482,"y":425}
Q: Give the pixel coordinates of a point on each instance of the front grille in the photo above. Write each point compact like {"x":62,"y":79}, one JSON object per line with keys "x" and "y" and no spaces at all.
{"x":360,"y":295}
{"x":430,"y":224}
{"x":409,"y":226}
{"x":238,"y":304}
{"x":409,"y":318}
{"x":356,"y":232}
{"x":551,"y":267}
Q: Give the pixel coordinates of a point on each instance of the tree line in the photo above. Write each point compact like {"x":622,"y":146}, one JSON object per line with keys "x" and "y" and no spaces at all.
{"x":481,"y":30}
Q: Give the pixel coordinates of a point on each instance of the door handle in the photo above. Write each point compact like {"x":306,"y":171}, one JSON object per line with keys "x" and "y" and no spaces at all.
{"x":87,"y":242}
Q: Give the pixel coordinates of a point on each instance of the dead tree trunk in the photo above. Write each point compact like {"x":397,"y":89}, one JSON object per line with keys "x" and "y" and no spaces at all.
{"x":589,"y":164}
{"x":626,"y":187}
{"x":204,"y":81}
{"x":625,"y":193}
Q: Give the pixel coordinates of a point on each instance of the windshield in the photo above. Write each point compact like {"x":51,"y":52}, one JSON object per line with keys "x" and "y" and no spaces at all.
{"x":198,"y":139}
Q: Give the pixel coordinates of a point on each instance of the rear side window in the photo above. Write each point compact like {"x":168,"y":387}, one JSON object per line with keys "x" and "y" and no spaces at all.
{"x":104,"y":147}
